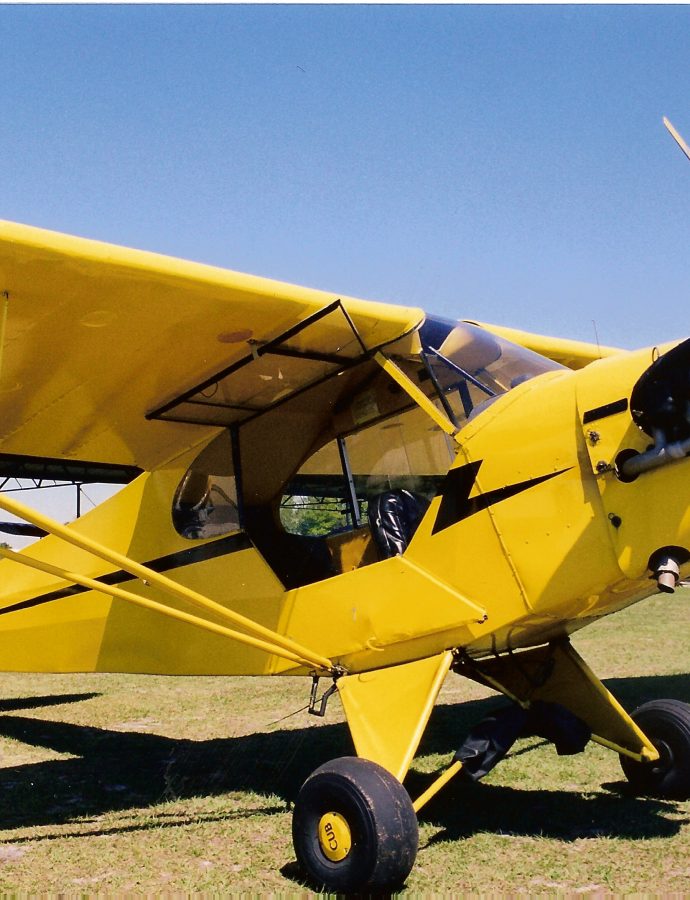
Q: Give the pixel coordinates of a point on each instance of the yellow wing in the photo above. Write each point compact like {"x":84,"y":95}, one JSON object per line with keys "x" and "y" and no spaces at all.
{"x":573,"y":354}
{"x":109,"y":353}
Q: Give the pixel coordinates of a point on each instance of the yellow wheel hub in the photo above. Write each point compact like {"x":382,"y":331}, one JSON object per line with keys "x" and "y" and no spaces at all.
{"x":334,"y":836}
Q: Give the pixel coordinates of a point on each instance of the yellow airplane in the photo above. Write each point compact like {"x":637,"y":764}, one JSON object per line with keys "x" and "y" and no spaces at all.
{"x":355,"y":492}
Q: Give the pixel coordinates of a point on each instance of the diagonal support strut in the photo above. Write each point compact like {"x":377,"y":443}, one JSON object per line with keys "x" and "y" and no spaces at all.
{"x":278,"y":643}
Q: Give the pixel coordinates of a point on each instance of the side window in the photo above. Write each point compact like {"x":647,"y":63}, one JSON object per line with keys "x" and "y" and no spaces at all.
{"x":205,"y":502}
{"x":315,"y":502}
{"x":407,"y":451}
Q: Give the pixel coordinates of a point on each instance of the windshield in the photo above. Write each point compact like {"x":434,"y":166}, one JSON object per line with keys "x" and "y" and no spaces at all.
{"x":470,"y":366}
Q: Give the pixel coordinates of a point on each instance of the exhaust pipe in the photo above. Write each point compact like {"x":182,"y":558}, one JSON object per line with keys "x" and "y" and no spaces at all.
{"x":665,"y":564}
{"x":667,"y":575}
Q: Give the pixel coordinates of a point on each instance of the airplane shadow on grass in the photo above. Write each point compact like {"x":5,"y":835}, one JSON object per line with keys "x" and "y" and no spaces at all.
{"x":115,"y":771}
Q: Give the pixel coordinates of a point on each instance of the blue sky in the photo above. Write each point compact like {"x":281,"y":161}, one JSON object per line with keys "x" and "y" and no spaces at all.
{"x":506,"y":163}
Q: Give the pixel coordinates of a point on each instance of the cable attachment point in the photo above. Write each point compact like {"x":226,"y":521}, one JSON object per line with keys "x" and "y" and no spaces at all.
{"x":318,"y":707}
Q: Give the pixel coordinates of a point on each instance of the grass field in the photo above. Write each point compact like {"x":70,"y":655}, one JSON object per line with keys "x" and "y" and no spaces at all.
{"x":115,"y":783}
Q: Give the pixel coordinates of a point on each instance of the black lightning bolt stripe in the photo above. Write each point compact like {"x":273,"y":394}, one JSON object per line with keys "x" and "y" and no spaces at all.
{"x":456,"y":503}
{"x":222,"y":547}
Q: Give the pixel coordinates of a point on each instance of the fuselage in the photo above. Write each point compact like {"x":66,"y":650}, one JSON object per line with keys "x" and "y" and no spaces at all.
{"x":526,"y":530}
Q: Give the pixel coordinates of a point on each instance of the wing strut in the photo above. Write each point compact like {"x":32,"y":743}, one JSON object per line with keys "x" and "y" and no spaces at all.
{"x":169,"y":611}
{"x":268,"y":640}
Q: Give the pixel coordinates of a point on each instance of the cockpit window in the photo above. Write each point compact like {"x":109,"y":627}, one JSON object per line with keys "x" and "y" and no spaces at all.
{"x":205,"y":502}
{"x":471,"y":366}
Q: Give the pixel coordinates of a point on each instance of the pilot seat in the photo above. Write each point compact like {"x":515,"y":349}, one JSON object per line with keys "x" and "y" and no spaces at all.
{"x":393,"y":519}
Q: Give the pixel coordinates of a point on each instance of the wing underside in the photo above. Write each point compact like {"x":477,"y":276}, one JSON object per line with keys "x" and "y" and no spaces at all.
{"x":123,"y":357}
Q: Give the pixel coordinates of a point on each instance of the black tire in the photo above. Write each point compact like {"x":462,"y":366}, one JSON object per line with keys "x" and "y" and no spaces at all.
{"x":667,"y":725}
{"x":379,"y":816}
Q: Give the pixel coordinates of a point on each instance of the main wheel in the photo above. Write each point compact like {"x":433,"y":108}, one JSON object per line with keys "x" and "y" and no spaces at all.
{"x":354,"y":827}
{"x":667,"y":724}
